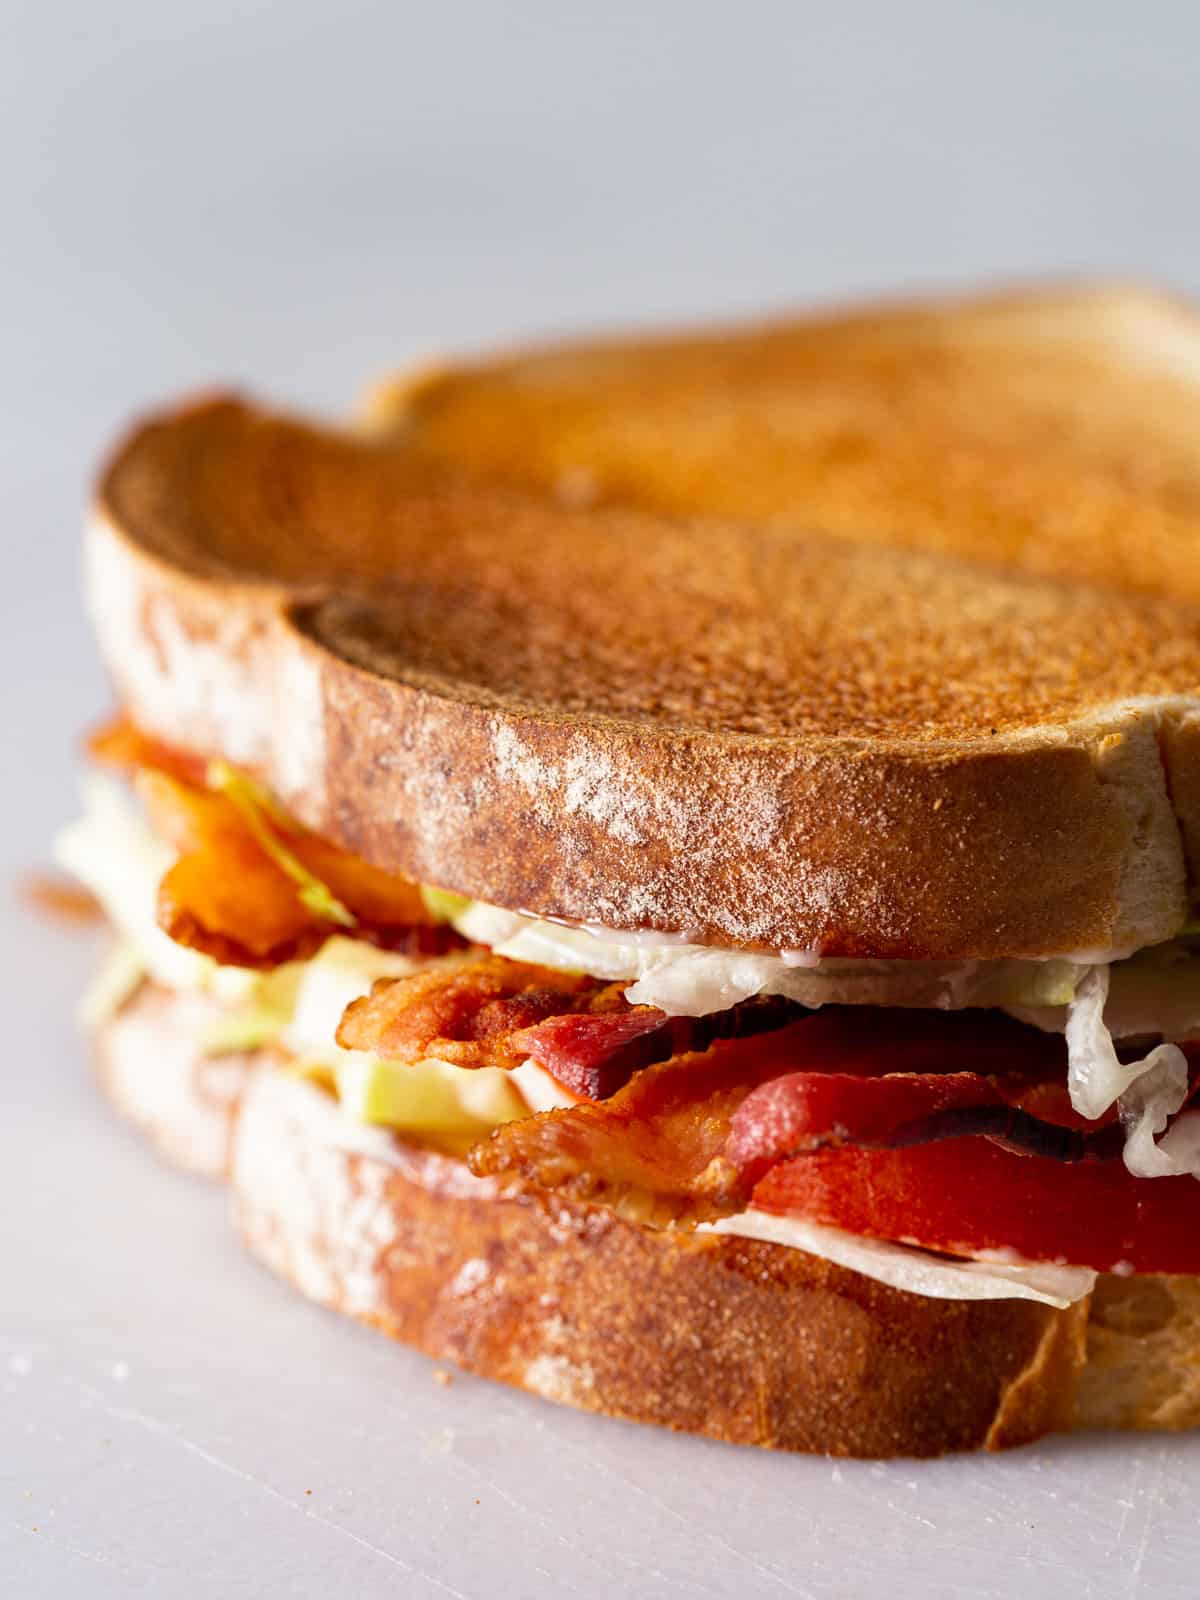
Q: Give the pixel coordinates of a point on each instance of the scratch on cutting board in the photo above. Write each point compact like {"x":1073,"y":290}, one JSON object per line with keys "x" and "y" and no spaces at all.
{"x":1156,"y":1477}
{"x":595,"y":1464}
{"x":163,"y":1430}
{"x":909,"y":1515}
{"x":751,"y":1563}
{"x":1128,"y":1505}
{"x":43,"y":1537}
{"x":515,"y":1503}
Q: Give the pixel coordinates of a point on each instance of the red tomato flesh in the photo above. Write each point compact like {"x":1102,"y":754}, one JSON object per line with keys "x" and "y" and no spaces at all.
{"x":967,"y":1195}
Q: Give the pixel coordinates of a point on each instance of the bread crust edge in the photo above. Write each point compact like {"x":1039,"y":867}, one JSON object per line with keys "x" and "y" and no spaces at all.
{"x":744,"y":1341}
{"x":1063,"y":840}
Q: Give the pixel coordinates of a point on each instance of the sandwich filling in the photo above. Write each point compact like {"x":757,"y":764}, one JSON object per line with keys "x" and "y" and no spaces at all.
{"x":965,"y":1128}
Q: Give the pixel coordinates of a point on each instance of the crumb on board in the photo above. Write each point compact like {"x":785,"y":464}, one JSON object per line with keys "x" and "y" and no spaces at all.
{"x":58,"y":897}
{"x":440,"y":1375}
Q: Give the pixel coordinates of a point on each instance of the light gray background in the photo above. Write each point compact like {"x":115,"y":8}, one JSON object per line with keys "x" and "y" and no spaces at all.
{"x":295,"y":197}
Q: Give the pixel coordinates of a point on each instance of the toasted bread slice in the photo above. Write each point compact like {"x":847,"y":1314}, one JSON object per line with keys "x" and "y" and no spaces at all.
{"x":744,"y":1340}
{"x":1053,"y":432}
{"x":757,"y":735}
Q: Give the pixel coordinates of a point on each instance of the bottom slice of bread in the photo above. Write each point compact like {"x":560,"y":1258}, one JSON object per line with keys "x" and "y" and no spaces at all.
{"x":743,"y":1340}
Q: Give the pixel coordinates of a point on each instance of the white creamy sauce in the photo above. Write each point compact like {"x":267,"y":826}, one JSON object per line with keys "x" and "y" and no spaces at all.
{"x":916,"y":1271}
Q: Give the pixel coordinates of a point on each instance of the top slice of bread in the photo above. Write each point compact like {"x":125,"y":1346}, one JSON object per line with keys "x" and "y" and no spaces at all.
{"x":884,"y":638}
{"x":1053,"y":432}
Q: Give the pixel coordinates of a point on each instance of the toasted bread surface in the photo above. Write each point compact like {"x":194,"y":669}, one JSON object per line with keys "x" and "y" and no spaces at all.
{"x":753,"y":735}
{"x":743,"y":1340}
{"x":1052,"y":431}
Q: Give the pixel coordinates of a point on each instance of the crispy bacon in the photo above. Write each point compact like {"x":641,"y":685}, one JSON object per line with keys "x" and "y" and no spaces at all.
{"x":121,"y":743}
{"x":594,"y":1056}
{"x":224,"y":895}
{"x":654,"y":1151}
{"x":473,"y":1013}
{"x":228,"y":896}
{"x":498,"y":1013}
{"x":689,"y":1138}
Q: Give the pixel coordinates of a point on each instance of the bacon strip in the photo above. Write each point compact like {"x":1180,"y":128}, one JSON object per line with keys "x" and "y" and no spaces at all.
{"x":688,"y":1139}
{"x":59,"y":897}
{"x":474,"y":1013}
{"x":594,"y":1056}
{"x":121,"y":743}
{"x":498,"y":1013}
{"x":653,"y":1152}
{"x":224,"y":895}
{"x":228,"y":896}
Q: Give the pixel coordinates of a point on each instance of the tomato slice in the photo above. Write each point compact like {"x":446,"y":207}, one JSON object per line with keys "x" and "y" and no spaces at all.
{"x":804,"y":1111}
{"x":967,"y":1195}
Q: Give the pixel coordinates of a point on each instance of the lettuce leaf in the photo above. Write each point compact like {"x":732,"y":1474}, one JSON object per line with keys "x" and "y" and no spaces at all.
{"x":118,"y":977}
{"x":443,"y":904}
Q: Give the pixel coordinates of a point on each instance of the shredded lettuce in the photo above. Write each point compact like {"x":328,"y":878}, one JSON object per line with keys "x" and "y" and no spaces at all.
{"x":255,"y":805}
{"x":424,"y":1096}
{"x":1096,"y":1078}
{"x":341,"y":971}
{"x":1147,"y":1091}
{"x":262,"y":1016}
{"x":1148,"y":1105}
{"x":250,"y":1027}
{"x":119,"y":976}
{"x":443,"y":904}
{"x":1181,"y":1144}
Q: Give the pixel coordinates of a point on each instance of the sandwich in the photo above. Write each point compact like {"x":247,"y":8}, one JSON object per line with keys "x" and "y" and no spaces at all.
{"x":661,"y":872}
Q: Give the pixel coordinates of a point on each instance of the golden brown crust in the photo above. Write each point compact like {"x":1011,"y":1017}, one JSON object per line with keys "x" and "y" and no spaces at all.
{"x":1051,"y":430}
{"x":744,"y":1340}
{"x":750,"y":734}
{"x":1143,"y":1354}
